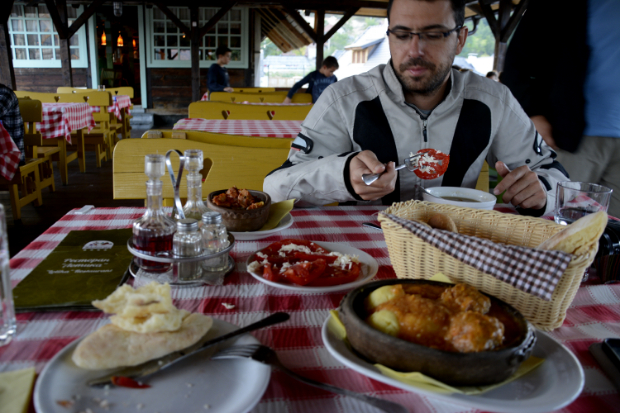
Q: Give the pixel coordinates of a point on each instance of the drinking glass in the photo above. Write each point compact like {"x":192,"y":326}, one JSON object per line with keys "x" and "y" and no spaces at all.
{"x":7,"y":311}
{"x":577,"y":199}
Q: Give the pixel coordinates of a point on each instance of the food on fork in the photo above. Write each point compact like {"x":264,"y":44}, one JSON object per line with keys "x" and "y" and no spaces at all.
{"x":432,"y":164}
{"x":236,"y":198}
{"x":578,"y":236}
{"x":451,"y":319}
{"x":145,"y":325}
{"x":303,"y":262}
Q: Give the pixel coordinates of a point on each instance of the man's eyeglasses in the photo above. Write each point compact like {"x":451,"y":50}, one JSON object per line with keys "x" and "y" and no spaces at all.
{"x":432,"y":37}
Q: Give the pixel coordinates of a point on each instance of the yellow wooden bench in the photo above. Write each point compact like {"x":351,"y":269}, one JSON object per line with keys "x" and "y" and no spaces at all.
{"x":264,"y":97}
{"x":225,"y":165}
{"x":223,"y":110}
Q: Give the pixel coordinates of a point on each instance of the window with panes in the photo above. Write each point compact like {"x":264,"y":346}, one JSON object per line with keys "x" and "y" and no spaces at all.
{"x":35,"y":41}
{"x":170,"y":47}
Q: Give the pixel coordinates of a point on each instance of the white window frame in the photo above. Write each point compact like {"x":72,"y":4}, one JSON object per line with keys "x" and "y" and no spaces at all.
{"x":82,"y":62}
{"x":243,"y":63}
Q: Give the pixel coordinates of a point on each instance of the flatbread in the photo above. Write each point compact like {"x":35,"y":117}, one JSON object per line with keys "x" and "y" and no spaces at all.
{"x":577,"y":238}
{"x":442,"y":221}
{"x":111,"y":346}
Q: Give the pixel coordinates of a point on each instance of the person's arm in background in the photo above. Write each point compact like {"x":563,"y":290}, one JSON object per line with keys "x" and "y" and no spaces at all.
{"x":307,"y":79}
{"x":214,"y":79}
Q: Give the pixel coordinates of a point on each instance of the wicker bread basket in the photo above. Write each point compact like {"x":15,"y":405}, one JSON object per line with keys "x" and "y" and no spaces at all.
{"x":414,"y":258}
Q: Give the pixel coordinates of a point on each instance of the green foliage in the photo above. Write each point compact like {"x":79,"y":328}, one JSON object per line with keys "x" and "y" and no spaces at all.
{"x":482,"y":42}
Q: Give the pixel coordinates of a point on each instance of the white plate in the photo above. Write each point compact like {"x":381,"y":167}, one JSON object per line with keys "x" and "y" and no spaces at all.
{"x":369,"y":269}
{"x":552,"y":385}
{"x":231,"y":385}
{"x":285,"y":222}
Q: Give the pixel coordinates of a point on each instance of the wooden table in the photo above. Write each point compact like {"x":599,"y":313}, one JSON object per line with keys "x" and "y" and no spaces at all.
{"x":264,"y":128}
{"x":594,"y":315}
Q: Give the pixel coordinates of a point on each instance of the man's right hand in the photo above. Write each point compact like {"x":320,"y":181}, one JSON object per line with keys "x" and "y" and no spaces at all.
{"x":287,"y":101}
{"x":544,"y":128}
{"x":366,"y":162}
{"x":229,"y":89}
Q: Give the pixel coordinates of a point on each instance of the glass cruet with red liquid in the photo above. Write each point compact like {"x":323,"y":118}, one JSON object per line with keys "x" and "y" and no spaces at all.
{"x":152,"y":234}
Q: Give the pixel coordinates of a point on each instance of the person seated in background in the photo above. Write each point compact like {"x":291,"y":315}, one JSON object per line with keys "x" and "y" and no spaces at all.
{"x":365,"y":123}
{"x":217,"y":78}
{"x":317,"y":81}
{"x":11,"y":118}
{"x":493,"y":75}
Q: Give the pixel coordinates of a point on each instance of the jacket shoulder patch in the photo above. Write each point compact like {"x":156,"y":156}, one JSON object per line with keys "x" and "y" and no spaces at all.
{"x":303,"y":143}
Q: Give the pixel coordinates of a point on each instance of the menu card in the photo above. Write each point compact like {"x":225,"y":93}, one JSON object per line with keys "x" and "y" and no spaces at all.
{"x":85,"y":266}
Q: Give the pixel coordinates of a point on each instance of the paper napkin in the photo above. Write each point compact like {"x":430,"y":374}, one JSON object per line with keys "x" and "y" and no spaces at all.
{"x":15,"y":389}
{"x":278,"y":211}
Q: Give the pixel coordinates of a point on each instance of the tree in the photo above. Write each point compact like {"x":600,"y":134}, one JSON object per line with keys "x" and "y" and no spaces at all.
{"x":481,"y":43}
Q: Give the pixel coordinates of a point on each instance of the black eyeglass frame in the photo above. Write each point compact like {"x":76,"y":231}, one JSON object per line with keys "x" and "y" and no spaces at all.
{"x":422,"y":34}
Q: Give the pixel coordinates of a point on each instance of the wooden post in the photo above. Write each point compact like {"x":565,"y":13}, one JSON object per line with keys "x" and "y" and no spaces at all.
{"x":502,"y":27}
{"x":195,"y":52}
{"x":7,"y":73}
{"x":58,"y":12}
{"x":319,"y":27}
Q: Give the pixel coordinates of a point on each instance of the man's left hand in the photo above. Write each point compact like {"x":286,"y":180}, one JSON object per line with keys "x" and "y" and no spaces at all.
{"x":522,"y":186}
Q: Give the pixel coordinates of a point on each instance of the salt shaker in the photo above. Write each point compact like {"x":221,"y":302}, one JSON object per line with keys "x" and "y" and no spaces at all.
{"x":187,"y":242}
{"x":214,"y":239}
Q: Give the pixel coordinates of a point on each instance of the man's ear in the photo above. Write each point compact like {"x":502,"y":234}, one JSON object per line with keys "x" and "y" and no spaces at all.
{"x":461,"y":39}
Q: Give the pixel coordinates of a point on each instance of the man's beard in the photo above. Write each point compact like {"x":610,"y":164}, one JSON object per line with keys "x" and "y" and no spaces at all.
{"x":415,"y":85}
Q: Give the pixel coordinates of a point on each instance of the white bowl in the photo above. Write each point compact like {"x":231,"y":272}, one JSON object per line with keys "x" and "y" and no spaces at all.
{"x":481,"y":199}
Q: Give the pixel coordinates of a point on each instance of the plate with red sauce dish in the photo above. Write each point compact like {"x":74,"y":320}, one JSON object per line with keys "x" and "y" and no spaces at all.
{"x":196,"y":384}
{"x":339,"y":278}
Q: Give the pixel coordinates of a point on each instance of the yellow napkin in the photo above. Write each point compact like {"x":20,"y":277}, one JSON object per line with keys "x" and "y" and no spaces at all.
{"x":15,"y":389}
{"x":424,"y":382}
{"x":277,"y":211}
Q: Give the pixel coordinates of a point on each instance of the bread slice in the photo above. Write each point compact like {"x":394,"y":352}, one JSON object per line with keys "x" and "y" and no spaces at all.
{"x":110,"y":346}
{"x":577,"y":238}
{"x":442,"y":221}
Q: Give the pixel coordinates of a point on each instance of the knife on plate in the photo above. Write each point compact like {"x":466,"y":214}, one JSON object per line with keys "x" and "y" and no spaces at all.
{"x":158,"y":364}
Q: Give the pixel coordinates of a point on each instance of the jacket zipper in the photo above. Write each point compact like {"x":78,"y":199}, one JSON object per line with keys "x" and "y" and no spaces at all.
{"x":424,"y":123}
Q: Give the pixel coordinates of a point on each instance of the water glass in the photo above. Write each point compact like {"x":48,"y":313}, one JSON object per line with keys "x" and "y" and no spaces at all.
{"x":101,"y":88}
{"x":577,"y":199}
{"x":7,"y":310}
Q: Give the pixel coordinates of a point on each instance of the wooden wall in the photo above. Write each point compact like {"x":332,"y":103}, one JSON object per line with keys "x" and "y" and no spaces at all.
{"x":47,"y":79}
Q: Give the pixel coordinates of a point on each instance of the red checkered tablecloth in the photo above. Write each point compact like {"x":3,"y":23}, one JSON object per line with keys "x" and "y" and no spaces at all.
{"x":60,"y":119}
{"x":593,"y":315}
{"x":9,"y":154}
{"x":263,"y":128}
{"x":122,"y":102}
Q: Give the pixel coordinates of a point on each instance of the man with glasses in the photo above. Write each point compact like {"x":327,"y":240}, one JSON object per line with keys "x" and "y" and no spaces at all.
{"x":367,"y":123}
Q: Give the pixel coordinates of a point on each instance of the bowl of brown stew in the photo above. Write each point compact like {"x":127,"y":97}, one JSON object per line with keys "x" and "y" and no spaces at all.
{"x":440,"y":355}
{"x":238,"y":213}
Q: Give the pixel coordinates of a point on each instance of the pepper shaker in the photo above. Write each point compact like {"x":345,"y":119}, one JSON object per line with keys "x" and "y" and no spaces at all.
{"x":187,"y":242}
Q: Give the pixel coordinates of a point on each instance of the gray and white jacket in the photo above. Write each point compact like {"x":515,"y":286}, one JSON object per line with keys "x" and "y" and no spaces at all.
{"x":478,"y":119}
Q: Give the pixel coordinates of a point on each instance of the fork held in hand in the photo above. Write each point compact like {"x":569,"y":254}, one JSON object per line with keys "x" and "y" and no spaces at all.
{"x":266,"y":355}
{"x":410,"y":163}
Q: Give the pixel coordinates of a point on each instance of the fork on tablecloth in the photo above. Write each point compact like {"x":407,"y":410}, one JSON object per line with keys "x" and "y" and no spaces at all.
{"x":266,"y":355}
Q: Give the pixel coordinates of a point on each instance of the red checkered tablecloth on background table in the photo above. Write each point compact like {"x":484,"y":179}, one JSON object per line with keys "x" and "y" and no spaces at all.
{"x":60,"y":119}
{"x":593,"y":315}
{"x":122,"y":102}
{"x":263,"y":128}
{"x":9,"y":155}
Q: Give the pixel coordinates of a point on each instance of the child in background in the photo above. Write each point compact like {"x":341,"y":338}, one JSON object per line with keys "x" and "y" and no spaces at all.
{"x":317,"y":81}
{"x":217,"y":77}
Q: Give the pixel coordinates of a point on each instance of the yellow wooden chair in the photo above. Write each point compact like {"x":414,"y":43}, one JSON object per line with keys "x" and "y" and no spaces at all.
{"x":264,"y":97}
{"x":101,"y":138}
{"x":33,"y":142}
{"x":220,"y":138}
{"x":64,"y":155}
{"x":225,"y":165}
{"x":223,"y":110}
{"x":483,"y":178}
